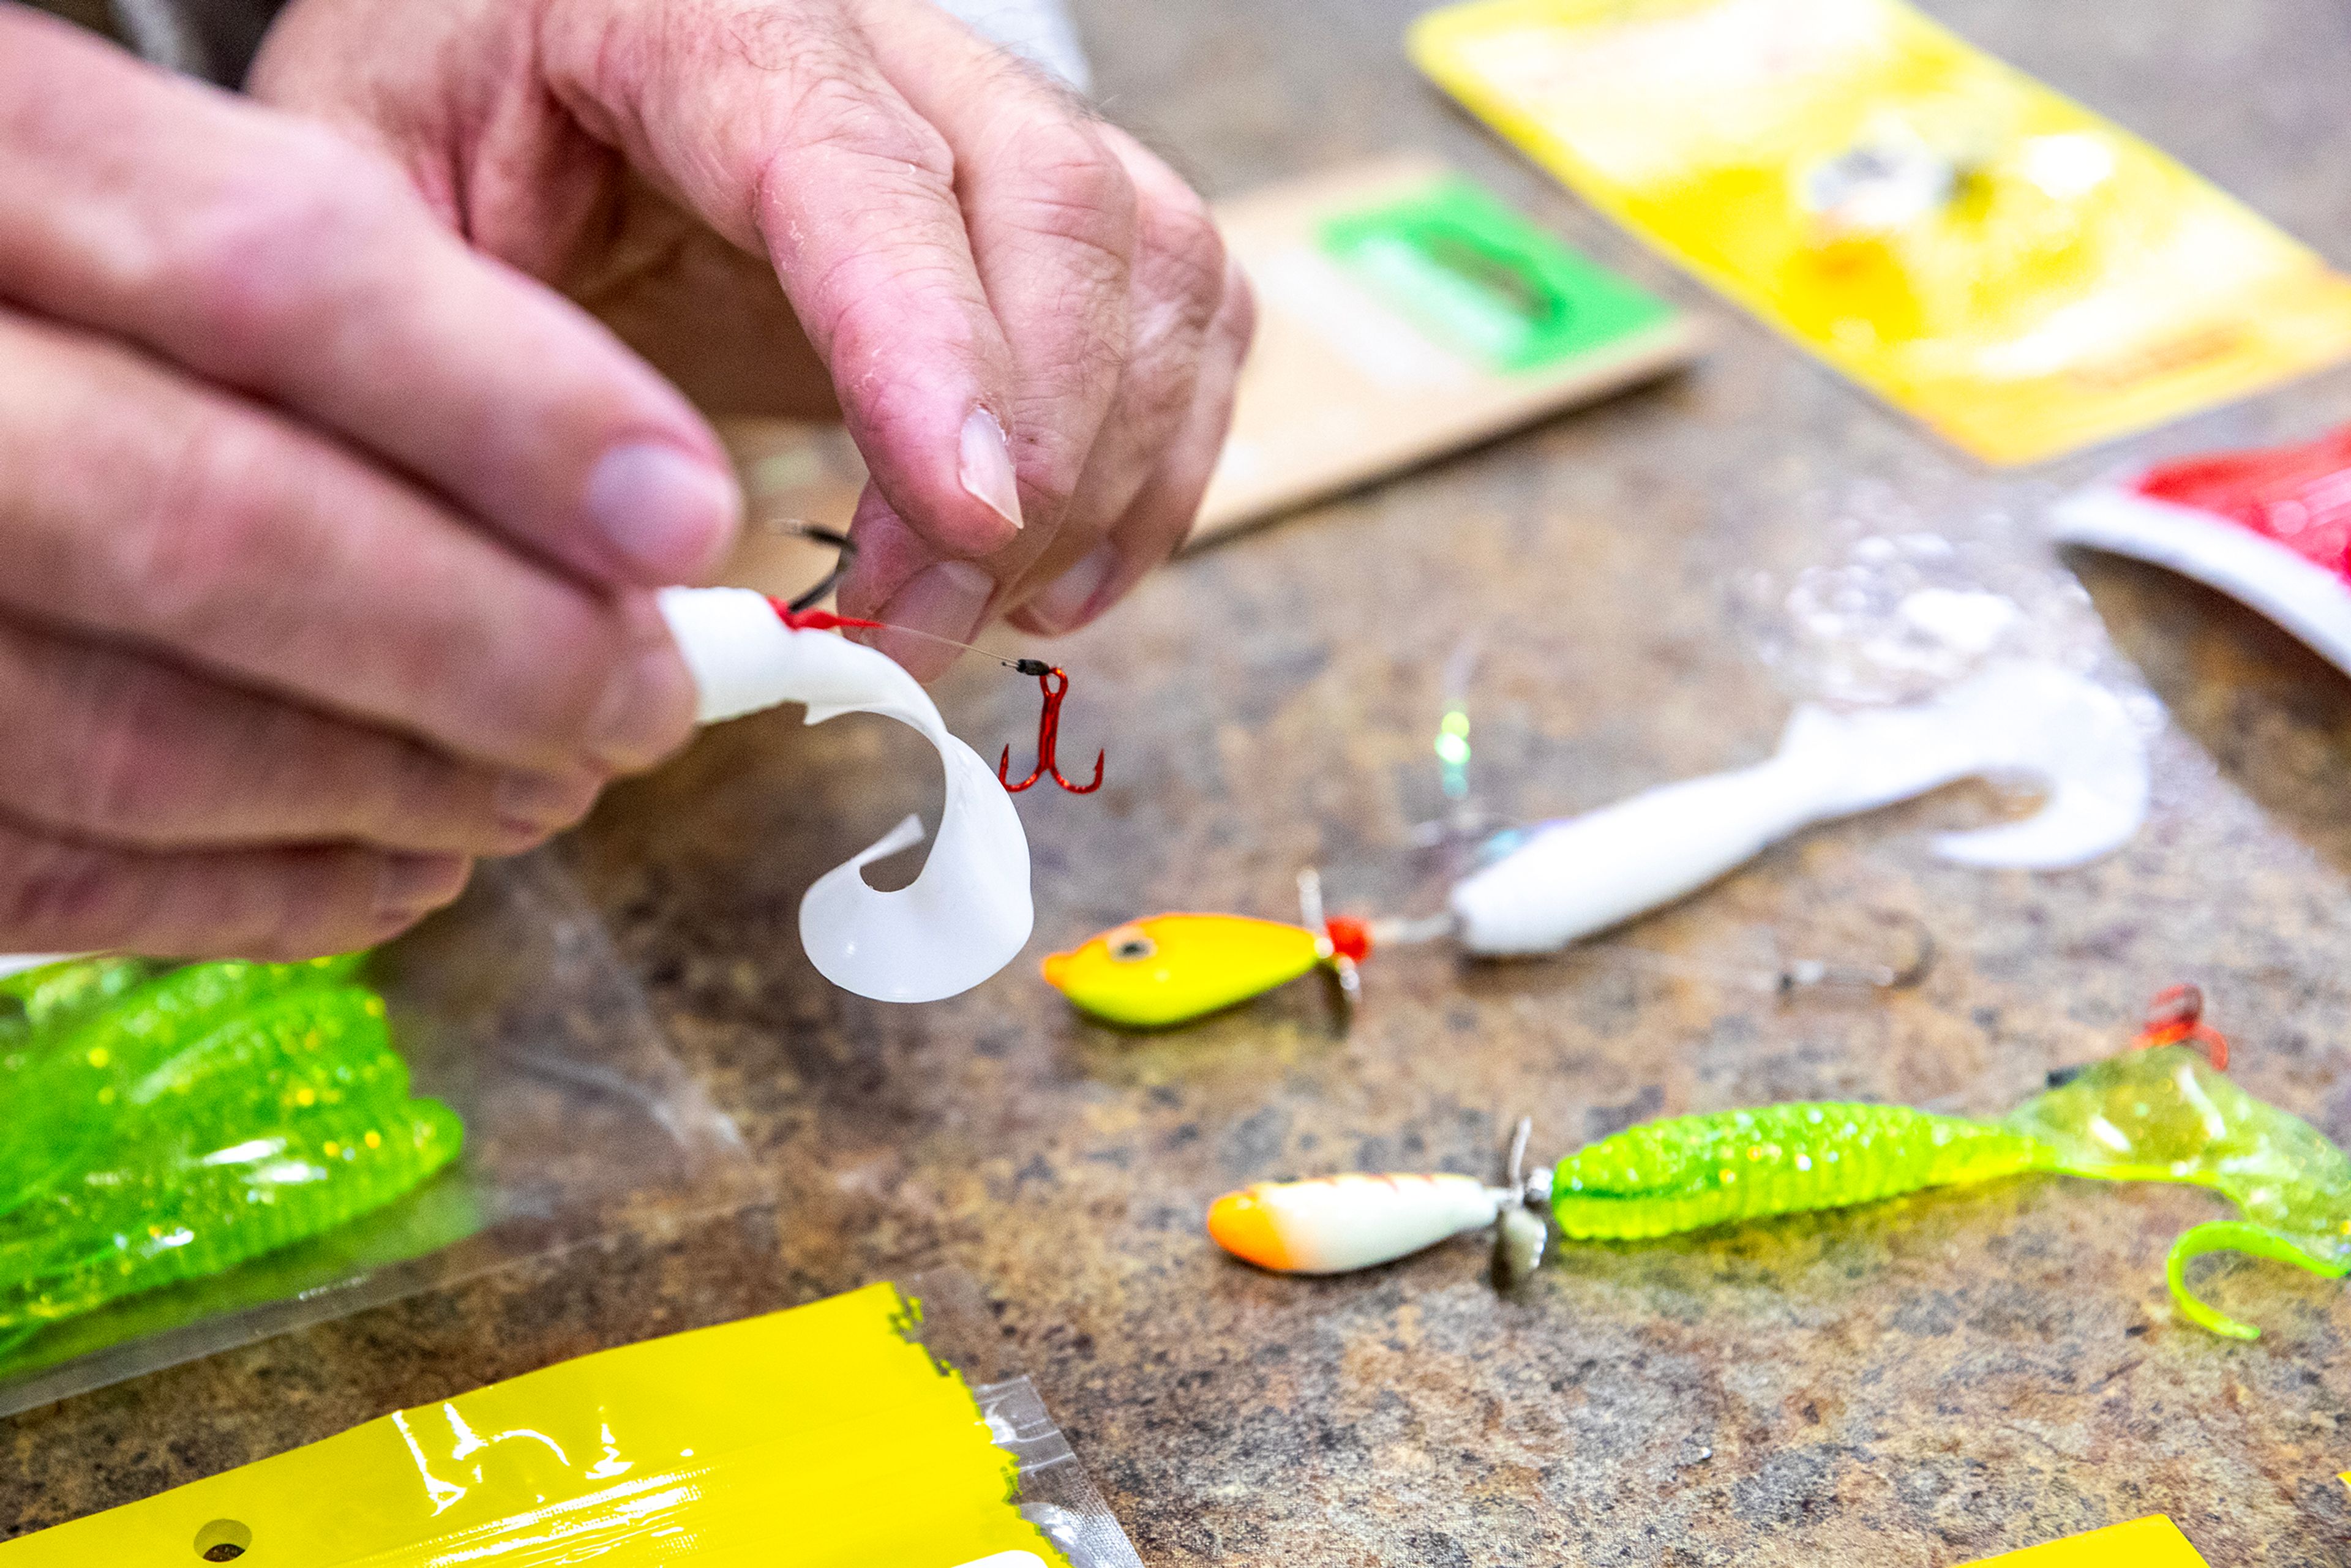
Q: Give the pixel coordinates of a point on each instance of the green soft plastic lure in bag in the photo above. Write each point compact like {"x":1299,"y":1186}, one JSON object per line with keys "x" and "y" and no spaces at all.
{"x":2161,"y":1113}
{"x":161,"y":1125}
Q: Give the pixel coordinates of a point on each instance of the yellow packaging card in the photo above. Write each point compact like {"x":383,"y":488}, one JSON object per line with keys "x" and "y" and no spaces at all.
{"x":819,"y":1438}
{"x":2150,"y":1542}
{"x":2017,"y":272}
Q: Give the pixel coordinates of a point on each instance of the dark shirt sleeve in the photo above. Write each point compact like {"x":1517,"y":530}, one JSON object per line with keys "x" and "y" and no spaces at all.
{"x":216,"y":39}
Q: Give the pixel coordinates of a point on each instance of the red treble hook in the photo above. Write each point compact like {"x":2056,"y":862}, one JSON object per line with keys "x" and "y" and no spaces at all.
{"x":1056,"y":685}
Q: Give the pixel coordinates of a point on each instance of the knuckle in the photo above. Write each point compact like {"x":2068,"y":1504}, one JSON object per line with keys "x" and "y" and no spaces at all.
{"x":1183,"y":278}
{"x":304,"y":903}
{"x":1065,"y":157}
{"x":418,"y":799}
{"x":883,"y":389}
{"x":1050,"y":452}
{"x":1158,"y":399}
{"x":865,"y":296}
{"x":1187,"y":253}
{"x":590,"y":663}
{"x":243,"y":260}
{"x":1072,"y":189}
{"x":58,"y":893}
{"x":118,"y":792}
{"x":412,"y":787}
{"x":838,"y":115}
{"x":187,"y":555}
{"x":1054,"y":467}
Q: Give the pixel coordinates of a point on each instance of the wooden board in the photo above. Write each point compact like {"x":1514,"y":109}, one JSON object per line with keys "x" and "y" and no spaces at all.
{"x":1341,"y":389}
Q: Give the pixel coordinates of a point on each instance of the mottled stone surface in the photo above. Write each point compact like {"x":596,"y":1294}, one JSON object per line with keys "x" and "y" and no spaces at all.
{"x":1905,"y":1386}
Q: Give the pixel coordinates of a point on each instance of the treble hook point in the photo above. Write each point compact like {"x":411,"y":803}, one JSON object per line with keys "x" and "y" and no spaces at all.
{"x":1055,"y":684}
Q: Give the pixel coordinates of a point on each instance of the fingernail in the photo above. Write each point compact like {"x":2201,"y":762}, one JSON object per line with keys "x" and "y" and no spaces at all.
{"x":410,"y":885}
{"x":946,"y":600}
{"x":647,"y":711}
{"x":668,"y":514}
{"x":988,"y":466}
{"x":530,"y":806}
{"x":1062,"y":605}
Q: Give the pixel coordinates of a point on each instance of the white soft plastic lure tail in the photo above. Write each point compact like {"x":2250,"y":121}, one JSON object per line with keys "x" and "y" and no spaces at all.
{"x":968,"y":914}
{"x":2027,"y":720}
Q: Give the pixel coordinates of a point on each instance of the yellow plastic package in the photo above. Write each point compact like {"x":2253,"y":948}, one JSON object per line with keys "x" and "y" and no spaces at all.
{"x":2020,"y":274}
{"x":2150,"y":1542}
{"x":825,"y":1436}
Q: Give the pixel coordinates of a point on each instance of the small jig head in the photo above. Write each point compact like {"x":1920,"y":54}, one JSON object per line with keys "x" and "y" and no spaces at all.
{"x":1055,"y":685}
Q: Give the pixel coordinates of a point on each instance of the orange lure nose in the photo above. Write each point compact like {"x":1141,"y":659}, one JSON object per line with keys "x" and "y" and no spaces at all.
{"x":1243,"y":1225}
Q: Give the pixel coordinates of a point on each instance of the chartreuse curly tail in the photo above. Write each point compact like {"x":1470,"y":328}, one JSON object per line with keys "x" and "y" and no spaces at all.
{"x":2166,"y":1115}
{"x":2160,"y":1114}
{"x":2236,"y":1235}
{"x":158,"y":1126}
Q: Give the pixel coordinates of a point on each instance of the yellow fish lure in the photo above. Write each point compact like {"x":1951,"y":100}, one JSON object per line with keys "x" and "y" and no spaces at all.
{"x":1171,"y":968}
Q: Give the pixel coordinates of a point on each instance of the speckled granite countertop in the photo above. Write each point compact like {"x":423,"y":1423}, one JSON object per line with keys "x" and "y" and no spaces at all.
{"x":1905,"y":1386}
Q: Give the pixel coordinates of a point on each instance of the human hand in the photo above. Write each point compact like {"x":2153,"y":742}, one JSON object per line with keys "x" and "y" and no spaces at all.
{"x":1025,"y":318}
{"x":327,"y":543}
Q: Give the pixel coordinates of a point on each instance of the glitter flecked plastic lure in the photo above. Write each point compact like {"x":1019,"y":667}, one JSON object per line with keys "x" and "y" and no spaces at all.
{"x":161,"y":1127}
{"x":2162,"y":1113}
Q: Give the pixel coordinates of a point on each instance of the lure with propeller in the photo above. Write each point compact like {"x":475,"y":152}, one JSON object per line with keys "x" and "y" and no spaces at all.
{"x":2161,"y":1113}
{"x":1173,"y":968}
{"x":1543,"y":888}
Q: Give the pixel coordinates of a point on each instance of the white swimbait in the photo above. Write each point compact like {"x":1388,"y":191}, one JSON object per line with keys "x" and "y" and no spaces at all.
{"x":969,"y":913}
{"x":2026,"y":720}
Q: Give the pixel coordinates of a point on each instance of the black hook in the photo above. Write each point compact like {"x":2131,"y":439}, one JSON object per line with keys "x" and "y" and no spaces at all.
{"x":840,"y":562}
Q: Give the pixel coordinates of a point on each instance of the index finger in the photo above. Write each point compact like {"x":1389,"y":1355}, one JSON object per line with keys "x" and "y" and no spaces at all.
{"x":773,"y":123}
{"x":1054,"y":217}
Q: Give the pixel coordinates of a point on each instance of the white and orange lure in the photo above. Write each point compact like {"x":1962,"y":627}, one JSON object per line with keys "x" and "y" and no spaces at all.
{"x":1337,"y":1223}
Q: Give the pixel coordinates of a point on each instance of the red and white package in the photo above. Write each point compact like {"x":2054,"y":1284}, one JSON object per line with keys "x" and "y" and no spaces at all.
{"x":2271,"y":529}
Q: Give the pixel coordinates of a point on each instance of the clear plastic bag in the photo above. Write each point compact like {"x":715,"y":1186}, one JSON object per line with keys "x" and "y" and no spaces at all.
{"x":1056,"y":1494}
{"x":513,"y":1009}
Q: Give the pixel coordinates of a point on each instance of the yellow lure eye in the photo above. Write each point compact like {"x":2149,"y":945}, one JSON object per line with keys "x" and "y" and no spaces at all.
{"x":1133,"y":948}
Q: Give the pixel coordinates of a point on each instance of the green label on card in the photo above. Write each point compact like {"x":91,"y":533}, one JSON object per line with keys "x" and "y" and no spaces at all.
{"x":1484,"y":282}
